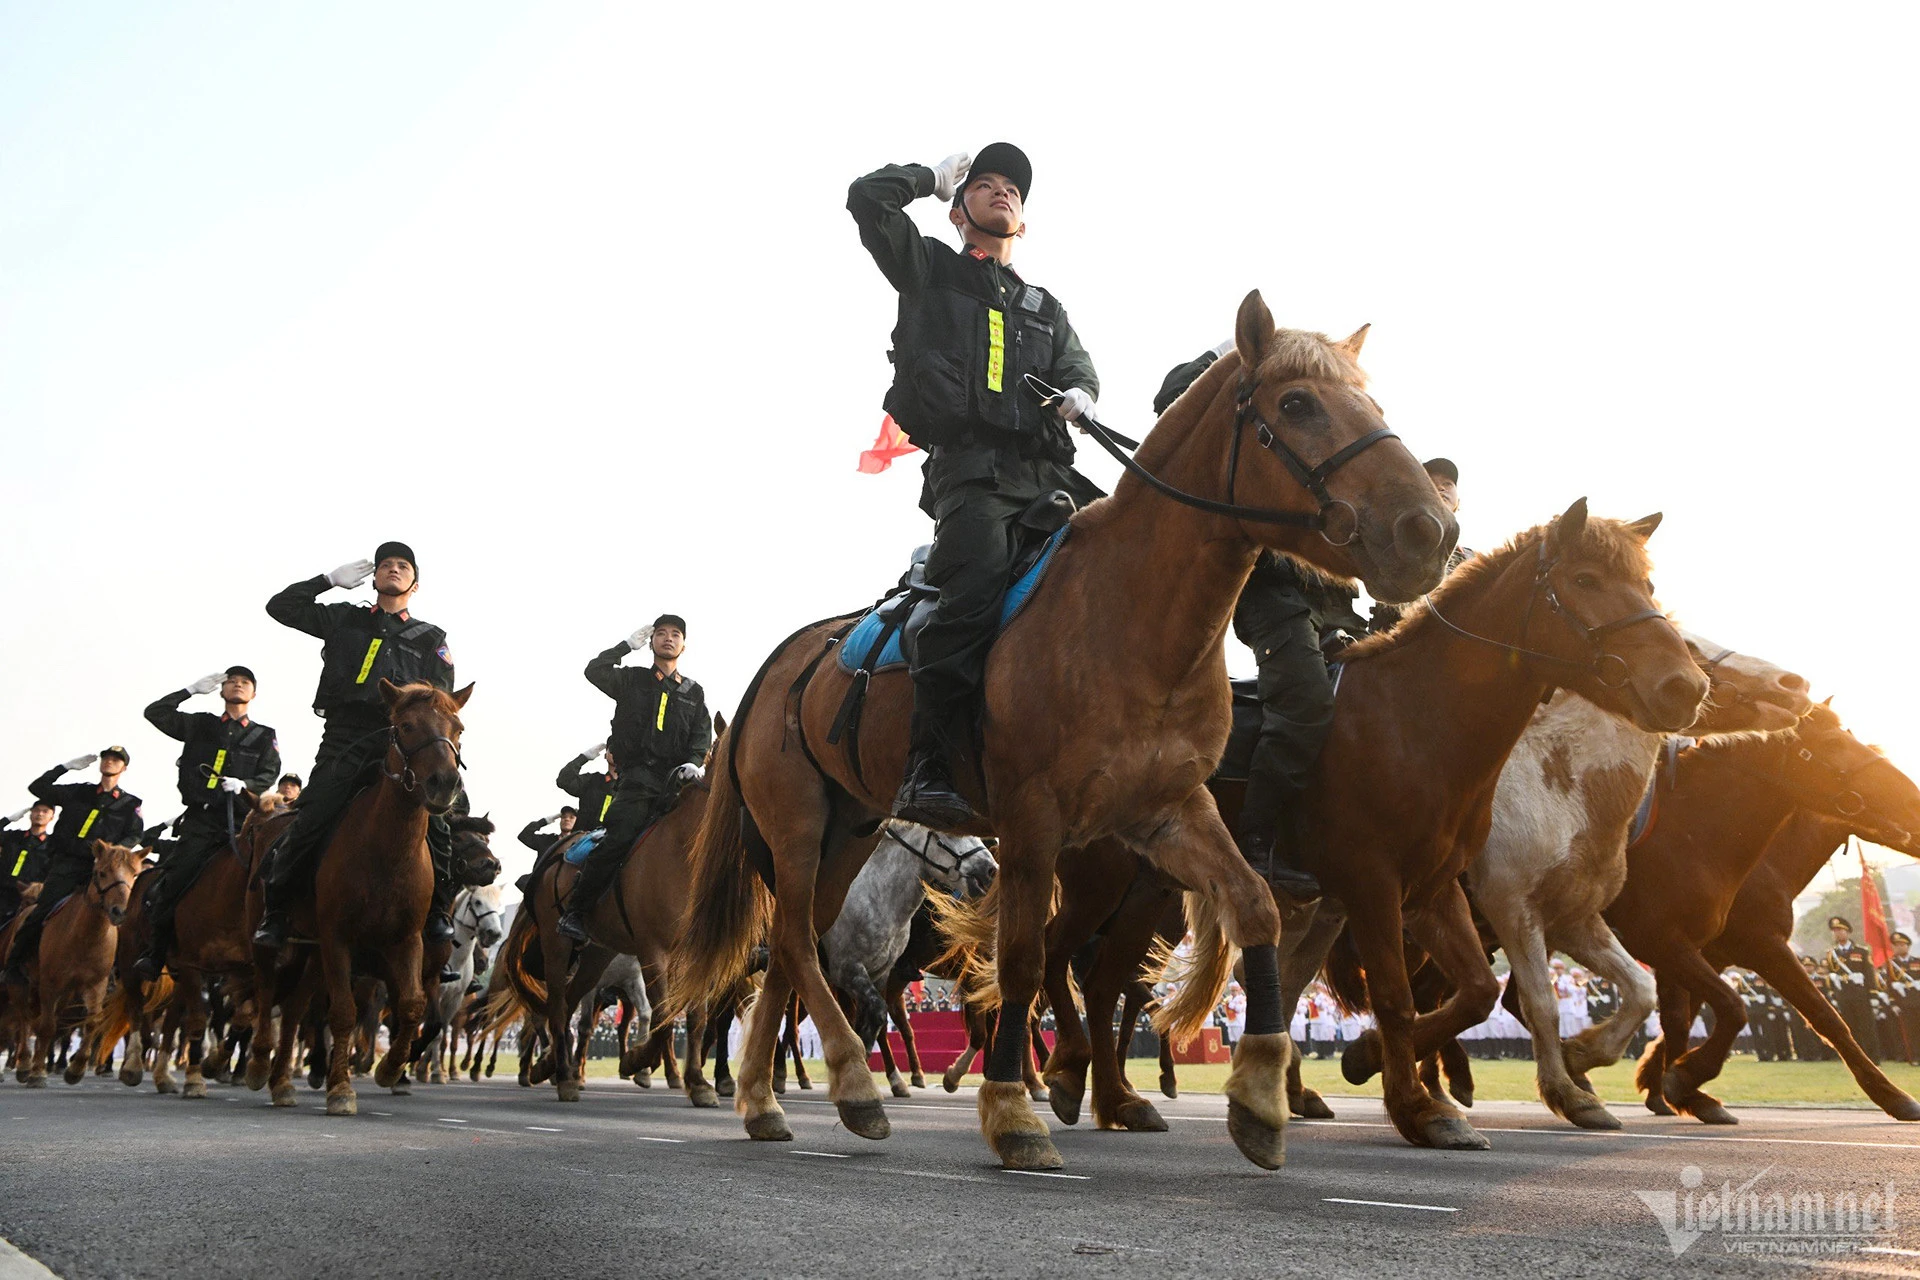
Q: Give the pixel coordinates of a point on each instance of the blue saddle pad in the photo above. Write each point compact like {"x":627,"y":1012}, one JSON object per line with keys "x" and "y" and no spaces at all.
{"x":577,"y":851}
{"x":858,"y":645}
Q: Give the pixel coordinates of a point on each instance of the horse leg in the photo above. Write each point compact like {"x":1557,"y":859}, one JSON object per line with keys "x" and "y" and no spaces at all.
{"x":897,"y":1011}
{"x":336,"y":967}
{"x":951,"y":1077}
{"x":409,"y":1007}
{"x":293,"y":1013}
{"x":1779,"y":967}
{"x":1072,"y":928}
{"x":1029,"y":849}
{"x":1459,"y":1071}
{"x":699,"y":1092}
{"x":558,"y":954}
{"x":670,"y":1062}
{"x":1676,"y":1010}
{"x":796,"y":1014}
{"x":190,"y":997}
{"x":1693,"y":1068}
{"x":1593,"y":944}
{"x":1461,"y":979}
{"x":1116,"y":968}
{"x":1526,"y":948}
{"x":884,"y":1042}
{"x":762,"y":1114}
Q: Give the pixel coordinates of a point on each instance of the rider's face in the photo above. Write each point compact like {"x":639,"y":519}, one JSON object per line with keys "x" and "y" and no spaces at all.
{"x":994,"y":202}
{"x":394,"y":577}
{"x":236,"y":689}
{"x":111,"y":767}
{"x":668,"y":642}
{"x":1449,"y":491}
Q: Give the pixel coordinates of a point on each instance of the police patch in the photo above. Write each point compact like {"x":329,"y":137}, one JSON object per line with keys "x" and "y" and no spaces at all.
{"x":445,"y":656}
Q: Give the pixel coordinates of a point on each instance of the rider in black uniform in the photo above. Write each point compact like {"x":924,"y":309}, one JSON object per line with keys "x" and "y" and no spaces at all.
{"x":88,"y":812}
{"x":24,"y":855}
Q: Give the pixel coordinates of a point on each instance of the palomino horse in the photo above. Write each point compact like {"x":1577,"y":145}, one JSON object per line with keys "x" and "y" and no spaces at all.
{"x":1728,"y":800}
{"x":372,"y":890}
{"x":1402,"y":796}
{"x":1556,"y":855}
{"x":67,"y":978}
{"x":1105,"y":706}
{"x":1759,"y":926}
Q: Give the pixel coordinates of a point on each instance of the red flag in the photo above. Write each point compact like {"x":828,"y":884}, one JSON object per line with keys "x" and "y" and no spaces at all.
{"x":1873,"y":915}
{"x":891,"y":443}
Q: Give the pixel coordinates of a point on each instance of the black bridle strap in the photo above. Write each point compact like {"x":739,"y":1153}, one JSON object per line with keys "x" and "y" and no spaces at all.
{"x":405,"y":777}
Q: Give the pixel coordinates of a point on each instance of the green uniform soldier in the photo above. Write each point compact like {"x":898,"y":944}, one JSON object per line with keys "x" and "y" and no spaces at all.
{"x":660,"y":736}
{"x":226,"y":763}
{"x":88,"y":812}
{"x":24,"y":854}
{"x":1856,"y":982}
{"x":361,"y":646}
{"x":968,"y":332}
{"x":1902,"y":975}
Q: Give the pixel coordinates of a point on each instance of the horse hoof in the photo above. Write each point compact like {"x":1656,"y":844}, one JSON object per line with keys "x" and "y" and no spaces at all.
{"x":165,"y":1084}
{"x":568,"y":1090}
{"x":223,"y":1076}
{"x":1064,"y":1095}
{"x":644,"y":1079}
{"x":1258,"y":1141}
{"x":1023,"y":1149}
{"x":899,"y":1089}
{"x":769,"y":1126}
{"x":951,"y":1086}
{"x":1451,"y":1133}
{"x":1313,"y":1106}
{"x":1592,"y":1115}
{"x":343,"y":1104}
{"x":402,"y":1088}
{"x":723,"y":1087}
{"x":194,"y":1089}
{"x":1360,"y":1063}
{"x":1709,"y":1111}
{"x":1038,"y":1093}
{"x":1137,"y":1115}
{"x":35,"y":1080}
{"x":1169,"y":1087}
{"x":865,"y":1118}
{"x":703,"y":1095}
{"x":919,"y":1081}
{"x":74,"y":1075}
{"x":805,"y":1083}
{"x":1464,"y":1096}
{"x":1658,"y":1105}
{"x":388,"y":1077}
{"x":131,"y":1077}
{"x":257,"y":1073}
{"x":283,"y":1096}
{"x":1904,"y":1109}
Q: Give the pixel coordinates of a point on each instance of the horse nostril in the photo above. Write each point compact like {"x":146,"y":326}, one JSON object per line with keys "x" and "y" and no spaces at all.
{"x":1793,"y":683}
{"x":1418,"y":534}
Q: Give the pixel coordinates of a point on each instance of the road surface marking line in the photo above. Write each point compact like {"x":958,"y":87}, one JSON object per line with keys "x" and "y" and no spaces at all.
{"x":1035,"y":1173}
{"x":945,"y":1177}
{"x":641,"y":1137}
{"x":379,"y":1113}
{"x":1391,"y":1204}
{"x":1880,"y":1248}
{"x":449,"y":1120}
{"x":1701,"y":1137}
{"x":824,"y":1155}
{"x":540,"y":1128}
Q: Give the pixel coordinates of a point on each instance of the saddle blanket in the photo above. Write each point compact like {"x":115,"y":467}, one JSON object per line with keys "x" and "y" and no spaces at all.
{"x":576,"y":853}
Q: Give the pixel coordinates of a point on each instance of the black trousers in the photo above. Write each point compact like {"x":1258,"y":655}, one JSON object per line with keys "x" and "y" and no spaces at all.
{"x":64,"y":877}
{"x":1296,"y":702}
{"x":203,"y":836}
{"x":642,"y":798}
{"x":348,"y":759}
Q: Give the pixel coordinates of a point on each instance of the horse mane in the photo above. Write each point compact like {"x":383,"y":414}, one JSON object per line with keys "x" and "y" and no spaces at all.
{"x":476,"y":823}
{"x":411,"y":696}
{"x":1603,"y":539}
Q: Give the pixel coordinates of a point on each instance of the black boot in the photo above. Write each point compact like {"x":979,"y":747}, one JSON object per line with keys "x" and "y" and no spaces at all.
{"x":572,"y":924}
{"x":1262,"y":855}
{"x":149,"y":964}
{"x":439,"y":927}
{"x":273,"y":931}
{"x":927,"y":794}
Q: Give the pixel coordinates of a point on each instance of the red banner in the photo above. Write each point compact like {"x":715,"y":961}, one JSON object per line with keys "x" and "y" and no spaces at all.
{"x":891,"y":443}
{"x":1873,"y":915}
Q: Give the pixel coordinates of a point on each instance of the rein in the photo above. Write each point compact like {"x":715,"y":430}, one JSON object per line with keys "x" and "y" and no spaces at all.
{"x":1591,"y":636}
{"x":1312,"y":478}
{"x":1846,"y":801}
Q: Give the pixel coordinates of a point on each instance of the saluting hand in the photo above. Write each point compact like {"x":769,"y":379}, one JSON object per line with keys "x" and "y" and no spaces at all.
{"x":79,"y":762}
{"x":950,"y":173}
{"x":596,"y":751}
{"x":15,"y":817}
{"x":207,"y":684}
{"x":351,"y":574}
{"x":641,"y":639}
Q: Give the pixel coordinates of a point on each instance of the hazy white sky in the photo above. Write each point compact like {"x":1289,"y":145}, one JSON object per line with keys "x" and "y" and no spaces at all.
{"x":567,"y":297}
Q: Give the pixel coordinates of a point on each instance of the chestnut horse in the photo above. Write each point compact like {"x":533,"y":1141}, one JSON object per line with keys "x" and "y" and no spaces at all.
{"x":67,"y":977}
{"x":372,"y":890}
{"x":1401,"y":798}
{"x":1105,"y":706}
{"x":1728,"y":802}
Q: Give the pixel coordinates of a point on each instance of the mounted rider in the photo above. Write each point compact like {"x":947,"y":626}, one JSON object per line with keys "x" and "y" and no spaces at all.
{"x":660,"y":736}
{"x":24,"y":854}
{"x":226,"y":763}
{"x":88,"y":812}
{"x":968,"y":331}
{"x":534,"y":835}
{"x":362,"y":645}
{"x":593,"y":791}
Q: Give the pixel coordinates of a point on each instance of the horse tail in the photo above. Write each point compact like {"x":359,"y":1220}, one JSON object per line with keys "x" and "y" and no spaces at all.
{"x":729,"y":908}
{"x":1344,"y":975}
{"x":970,"y":927}
{"x":1201,"y":976}
{"x":523,"y":987}
{"x":113,"y":1020}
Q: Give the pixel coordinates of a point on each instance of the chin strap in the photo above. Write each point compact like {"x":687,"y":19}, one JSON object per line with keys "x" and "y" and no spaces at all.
{"x":998,"y":235}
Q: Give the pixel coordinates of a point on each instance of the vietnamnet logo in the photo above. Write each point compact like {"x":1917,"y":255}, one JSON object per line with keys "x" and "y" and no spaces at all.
{"x":1752,"y":1219}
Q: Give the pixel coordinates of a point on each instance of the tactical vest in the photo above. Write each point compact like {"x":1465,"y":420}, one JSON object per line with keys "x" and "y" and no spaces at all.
{"x":654,"y":725}
{"x":959,"y":356}
{"x":204,"y":760}
{"x":358,"y":655}
{"x":100,"y":818}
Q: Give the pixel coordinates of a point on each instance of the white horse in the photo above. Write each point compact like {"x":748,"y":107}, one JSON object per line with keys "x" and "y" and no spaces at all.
{"x":859,"y":951}
{"x":479,"y":922}
{"x":1556,"y":856}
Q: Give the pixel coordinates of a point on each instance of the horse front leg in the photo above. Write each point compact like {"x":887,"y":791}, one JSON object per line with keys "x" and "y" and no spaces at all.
{"x":753,"y":1098}
{"x":1593,"y":944}
{"x":409,"y":1007}
{"x":1520,"y":932}
{"x":1029,"y":850}
{"x":699,"y":1092}
{"x":1681,"y":1083}
{"x":897,"y":1011}
{"x":190,"y":995}
{"x":336,"y":971}
{"x":1778,"y":966}
{"x":1116,"y":969}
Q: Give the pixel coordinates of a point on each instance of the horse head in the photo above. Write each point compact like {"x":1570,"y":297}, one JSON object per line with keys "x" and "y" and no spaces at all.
{"x":483,"y":904}
{"x":115,"y":867}
{"x":1297,"y":433}
{"x":473,"y":859}
{"x":423,"y":744}
{"x":1746,"y":694}
{"x":1833,"y":774}
{"x":958,"y":866}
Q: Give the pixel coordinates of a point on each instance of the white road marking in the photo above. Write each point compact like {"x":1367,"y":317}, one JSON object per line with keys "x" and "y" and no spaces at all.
{"x":824,"y":1155}
{"x":1035,"y":1173}
{"x":1391,"y":1204}
{"x":1701,"y":1137}
{"x":1903,"y":1253}
{"x":540,"y":1128}
{"x":449,"y":1120}
{"x":927,"y":1173}
{"x":379,"y":1113}
{"x":641,"y":1137}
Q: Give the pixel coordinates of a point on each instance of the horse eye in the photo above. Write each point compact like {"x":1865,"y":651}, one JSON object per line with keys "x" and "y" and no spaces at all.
{"x":1297,"y":404}
{"x":1586,"y":580}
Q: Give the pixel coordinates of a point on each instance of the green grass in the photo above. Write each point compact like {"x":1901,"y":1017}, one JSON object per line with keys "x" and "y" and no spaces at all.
{"x":1745,"y":1082}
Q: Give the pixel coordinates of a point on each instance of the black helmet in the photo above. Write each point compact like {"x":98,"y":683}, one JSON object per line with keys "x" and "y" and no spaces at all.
{"x":1006,"y":159}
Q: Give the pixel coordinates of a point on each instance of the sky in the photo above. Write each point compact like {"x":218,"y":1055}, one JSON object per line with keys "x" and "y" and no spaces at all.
{"x":566,"y":297}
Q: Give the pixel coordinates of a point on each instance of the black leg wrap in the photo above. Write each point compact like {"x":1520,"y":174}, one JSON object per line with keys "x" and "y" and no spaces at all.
{"x":1263,"y":990}
{"x":1009,"y":1047}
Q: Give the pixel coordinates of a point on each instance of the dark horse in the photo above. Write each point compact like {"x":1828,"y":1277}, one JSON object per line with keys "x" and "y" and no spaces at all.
{"x":1105,"y":708}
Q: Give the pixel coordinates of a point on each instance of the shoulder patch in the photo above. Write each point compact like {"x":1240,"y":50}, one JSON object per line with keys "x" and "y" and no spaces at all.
{"x":446,"y":655}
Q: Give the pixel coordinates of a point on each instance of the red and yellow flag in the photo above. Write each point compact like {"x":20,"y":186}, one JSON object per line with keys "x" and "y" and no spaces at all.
{"x":891,"y":443}
{"x":1873,"y":915}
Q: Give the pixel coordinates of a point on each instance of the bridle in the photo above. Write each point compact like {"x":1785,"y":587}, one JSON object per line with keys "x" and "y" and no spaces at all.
{"x":100,"y":891}
{"x":478,"y":917}
{"x":1845,"y":801}
{"x":1596,"y":664}
{"x":1311,"y":477}
{"x":405,"y":775}
{"x":925,"y":852}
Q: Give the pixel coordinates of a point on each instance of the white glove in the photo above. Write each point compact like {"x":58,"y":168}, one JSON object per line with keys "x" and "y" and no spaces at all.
{"x":950,"y":173}
{"x":1220,"y":352}
{"x":15,"y":817}
{"x":595,"y":752}
{"x":78,"y":762}
{"x":232,"y":786}
{"x":351,"y":574}
{"x":688,"y":773}
{"x":207,"y":684}
{"x":641,"y":639}
{"x":1073,"y":403}
{"x":550,"y":819}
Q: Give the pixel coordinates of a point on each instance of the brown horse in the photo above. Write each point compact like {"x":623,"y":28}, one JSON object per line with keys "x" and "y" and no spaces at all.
{"x":1105,"y":708}
{"x":1402,"y":796}
{"x":372,"y":890}
{"x":67,"y":978}
{"x":1729,"y":800}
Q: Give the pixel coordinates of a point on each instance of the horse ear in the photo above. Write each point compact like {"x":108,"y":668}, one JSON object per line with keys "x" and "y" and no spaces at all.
{"x":1566,"y":530}
{"x":461,"y":696}
{"x":719,"y":724}
{"x":389,"y":692}
{"x":1352,"y":343}
{"x":1252,"y":330}
{"x":1643,"y":527}
{"x":100,"y":849}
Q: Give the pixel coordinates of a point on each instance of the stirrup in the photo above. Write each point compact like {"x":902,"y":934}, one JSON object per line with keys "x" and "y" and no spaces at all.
{"x":273,"y":930}
{"x":572,"y":924}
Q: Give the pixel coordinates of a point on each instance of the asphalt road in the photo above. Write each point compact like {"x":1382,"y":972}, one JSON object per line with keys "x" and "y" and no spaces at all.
{"x":488,"y":1179}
